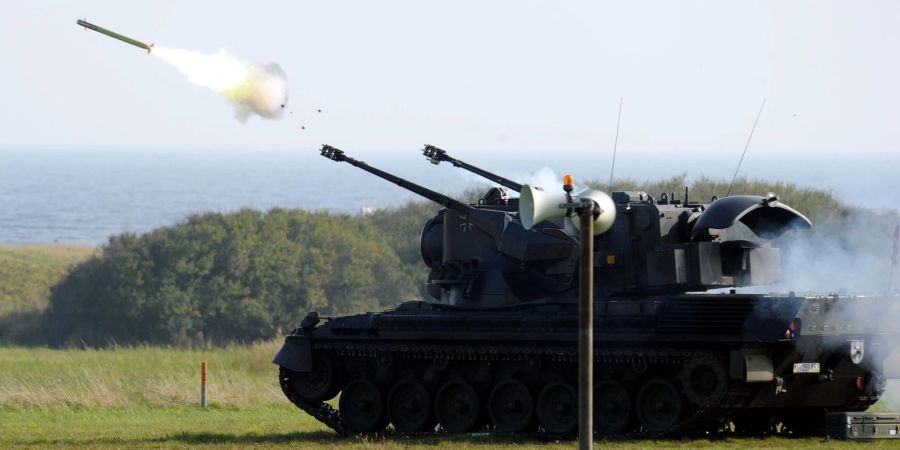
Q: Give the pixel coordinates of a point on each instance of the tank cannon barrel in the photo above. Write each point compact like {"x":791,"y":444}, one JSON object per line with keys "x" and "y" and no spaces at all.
{"x":436,"y":155}
{"x":338,"y":155}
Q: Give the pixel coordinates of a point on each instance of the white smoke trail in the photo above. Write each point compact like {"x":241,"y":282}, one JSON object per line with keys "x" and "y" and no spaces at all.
{"x":252,"y":87}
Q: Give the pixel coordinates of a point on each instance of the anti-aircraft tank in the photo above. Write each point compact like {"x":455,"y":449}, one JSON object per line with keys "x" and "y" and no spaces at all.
{"x":677,"y":351}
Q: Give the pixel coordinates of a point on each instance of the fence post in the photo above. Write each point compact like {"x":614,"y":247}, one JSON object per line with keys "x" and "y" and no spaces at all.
{"x":203,"y":384}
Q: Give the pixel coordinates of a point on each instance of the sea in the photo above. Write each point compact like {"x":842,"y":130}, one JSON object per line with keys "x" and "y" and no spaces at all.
{"x":84,"y":196}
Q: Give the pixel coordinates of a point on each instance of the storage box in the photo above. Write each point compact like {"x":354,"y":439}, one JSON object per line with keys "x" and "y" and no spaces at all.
{"x":862,"y":425}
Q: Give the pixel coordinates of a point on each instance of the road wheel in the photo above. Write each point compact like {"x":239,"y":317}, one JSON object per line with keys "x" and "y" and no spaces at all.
{"x":612,"y":408}
{"x":362,"y":407}
{"x":658,"y":405}
{"x":409,"y":407}
{"x":511,"y":406}
{"x":557,"y":409}
{"x":457,"y":407}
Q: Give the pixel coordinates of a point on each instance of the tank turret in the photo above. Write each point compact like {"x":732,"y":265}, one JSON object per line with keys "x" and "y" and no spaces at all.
{"x":672,"y":246}
{"x":481,"y":254}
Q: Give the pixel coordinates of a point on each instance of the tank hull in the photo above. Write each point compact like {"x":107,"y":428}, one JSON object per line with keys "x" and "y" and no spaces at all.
{"x":667,"y":365}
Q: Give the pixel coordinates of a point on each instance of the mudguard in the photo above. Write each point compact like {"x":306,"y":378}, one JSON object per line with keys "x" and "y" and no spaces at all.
{"x":295,"y":354}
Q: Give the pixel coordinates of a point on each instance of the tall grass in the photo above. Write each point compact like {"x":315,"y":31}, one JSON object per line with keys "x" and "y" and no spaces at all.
{"x":136,"y":377}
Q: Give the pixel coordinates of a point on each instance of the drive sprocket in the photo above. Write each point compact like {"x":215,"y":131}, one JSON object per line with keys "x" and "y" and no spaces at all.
{"x":704,"y":379}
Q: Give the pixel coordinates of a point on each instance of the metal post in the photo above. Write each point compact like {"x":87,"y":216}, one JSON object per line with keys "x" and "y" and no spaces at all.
{"x":586,"y":329}
{"x":203,"y":384}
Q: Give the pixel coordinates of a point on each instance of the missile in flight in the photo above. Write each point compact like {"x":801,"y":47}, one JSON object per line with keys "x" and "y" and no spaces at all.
{"x":114,"y":35}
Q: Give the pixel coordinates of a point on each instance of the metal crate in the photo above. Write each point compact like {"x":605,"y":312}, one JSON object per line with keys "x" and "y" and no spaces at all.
{"x":862,"y":425}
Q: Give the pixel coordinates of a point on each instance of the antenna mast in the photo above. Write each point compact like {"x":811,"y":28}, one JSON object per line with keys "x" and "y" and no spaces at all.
{"x":615,"y":146}
{"x":745,"y":147}
{"x":894,"y":252}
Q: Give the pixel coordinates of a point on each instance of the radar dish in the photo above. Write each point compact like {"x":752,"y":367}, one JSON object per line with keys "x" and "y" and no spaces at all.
{"x":766,"y":217}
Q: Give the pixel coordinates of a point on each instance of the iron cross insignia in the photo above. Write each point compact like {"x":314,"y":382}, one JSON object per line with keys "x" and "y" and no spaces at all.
{"x":465,"y":225}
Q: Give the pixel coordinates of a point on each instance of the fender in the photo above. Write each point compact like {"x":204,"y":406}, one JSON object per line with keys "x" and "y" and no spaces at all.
{"x":295,"y":354}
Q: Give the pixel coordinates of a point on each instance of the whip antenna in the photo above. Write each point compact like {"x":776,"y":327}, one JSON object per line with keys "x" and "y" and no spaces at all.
{"x":894,"y":253}
{"x":615,"y":145}
{"x":745,"y":147}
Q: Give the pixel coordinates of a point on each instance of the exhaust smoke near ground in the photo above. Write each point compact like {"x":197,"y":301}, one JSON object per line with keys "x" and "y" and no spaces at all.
{"x":253,"y":88}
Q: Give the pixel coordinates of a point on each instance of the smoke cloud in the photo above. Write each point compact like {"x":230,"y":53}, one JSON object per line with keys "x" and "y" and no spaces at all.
{"x":850,"y":254}
{"x":545,"y":178}
{"x":252,"y":88}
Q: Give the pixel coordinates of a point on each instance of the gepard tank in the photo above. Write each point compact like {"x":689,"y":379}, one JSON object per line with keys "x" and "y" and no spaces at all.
{"x":677,"y":351}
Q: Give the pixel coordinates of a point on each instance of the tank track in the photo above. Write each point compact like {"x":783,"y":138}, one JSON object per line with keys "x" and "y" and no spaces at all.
{"x":321,"y":411}
{"x":700,"y":421}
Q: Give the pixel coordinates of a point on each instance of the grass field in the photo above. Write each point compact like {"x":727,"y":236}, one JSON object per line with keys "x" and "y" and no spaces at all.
{"x":139,"y":377}
{"x":27,"y":275}
{"x":146,"y":398}
{"x":282,"y":426}
{"x":27,"y":272}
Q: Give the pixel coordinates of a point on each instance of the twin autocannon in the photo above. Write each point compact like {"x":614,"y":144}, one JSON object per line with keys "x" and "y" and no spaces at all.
{"x":506,"y":251}
{"x":494,"y":349}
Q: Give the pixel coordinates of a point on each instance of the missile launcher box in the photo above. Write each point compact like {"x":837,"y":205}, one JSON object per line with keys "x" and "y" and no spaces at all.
{"x":862,"y":425}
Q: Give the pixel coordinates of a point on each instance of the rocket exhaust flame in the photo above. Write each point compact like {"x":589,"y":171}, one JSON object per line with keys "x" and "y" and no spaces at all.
{"x":252,"y":87}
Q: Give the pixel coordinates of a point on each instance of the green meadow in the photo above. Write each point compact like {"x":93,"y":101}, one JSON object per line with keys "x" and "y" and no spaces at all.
{"x":147,"y":397}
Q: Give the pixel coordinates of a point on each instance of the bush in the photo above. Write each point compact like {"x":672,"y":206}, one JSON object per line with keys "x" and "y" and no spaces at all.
{"x":221,"y":278}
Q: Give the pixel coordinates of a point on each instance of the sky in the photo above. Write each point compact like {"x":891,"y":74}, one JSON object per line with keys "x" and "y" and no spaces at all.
{"x":499,"y":76}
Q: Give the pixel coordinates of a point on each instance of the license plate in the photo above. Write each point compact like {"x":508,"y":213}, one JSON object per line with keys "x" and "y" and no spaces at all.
{"x":806,"y":368}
